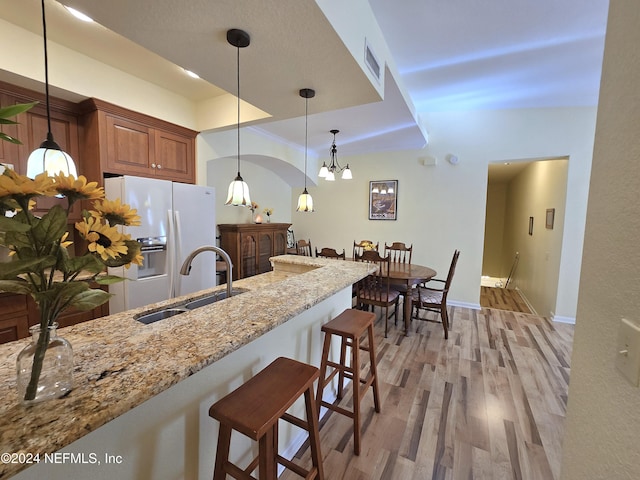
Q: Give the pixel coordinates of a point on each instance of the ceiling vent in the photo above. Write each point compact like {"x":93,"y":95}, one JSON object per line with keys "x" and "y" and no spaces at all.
{"x":371,"y":60}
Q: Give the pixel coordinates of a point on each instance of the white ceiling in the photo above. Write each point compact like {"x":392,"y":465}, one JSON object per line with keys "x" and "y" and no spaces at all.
{"x":450,"y":54}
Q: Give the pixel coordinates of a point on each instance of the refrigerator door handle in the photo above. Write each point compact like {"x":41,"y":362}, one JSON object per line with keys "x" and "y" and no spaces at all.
{"x":171,"y":254}
{"x":177,"y":234}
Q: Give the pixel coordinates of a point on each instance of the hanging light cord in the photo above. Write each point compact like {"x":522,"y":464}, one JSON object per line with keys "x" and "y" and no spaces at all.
{"x":46,"y":71}
{"x":306,"y":130}
{"x":238,"y":126}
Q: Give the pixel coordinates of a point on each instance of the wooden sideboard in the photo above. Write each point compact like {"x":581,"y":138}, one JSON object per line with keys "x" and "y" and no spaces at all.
{"x":250,"y":245}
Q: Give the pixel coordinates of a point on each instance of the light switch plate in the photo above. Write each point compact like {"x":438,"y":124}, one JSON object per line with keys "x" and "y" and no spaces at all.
{"x":628,"y":355}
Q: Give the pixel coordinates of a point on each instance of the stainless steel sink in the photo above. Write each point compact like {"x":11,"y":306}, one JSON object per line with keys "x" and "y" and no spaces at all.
{"x":148,"y":318}
{"x":209,"y":299}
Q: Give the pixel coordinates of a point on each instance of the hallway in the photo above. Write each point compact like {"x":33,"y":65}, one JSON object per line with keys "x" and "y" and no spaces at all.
{"x":503,"y":299}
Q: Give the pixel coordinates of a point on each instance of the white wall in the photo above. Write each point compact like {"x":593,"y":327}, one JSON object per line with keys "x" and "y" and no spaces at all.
{"x":442,"y":207}
{"x":218,"y":166}
{"x":603,"y":414}
{"x":492,"y":263}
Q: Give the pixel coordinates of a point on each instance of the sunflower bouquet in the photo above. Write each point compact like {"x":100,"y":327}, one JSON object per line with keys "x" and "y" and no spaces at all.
{"x":40,"y":264}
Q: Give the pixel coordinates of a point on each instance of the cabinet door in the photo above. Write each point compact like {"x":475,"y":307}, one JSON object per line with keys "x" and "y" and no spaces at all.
{"x":248,"y":255}
{"x":14,"y":317}
{"x":9,"y":153}
{"x":265,"y":249}
{"x":174,"y":157}
{"x":129,"y":147}
{"x":279,"y":242}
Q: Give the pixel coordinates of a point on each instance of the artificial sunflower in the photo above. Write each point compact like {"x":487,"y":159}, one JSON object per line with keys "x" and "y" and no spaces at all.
{"x":103,"y":239}
{"x":77,"y":188}
{"x":116,"y":213}
{"x":22,"y":188}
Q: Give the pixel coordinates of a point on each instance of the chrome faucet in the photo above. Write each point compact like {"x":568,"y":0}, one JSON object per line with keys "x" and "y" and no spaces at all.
{"x":186,"y":266}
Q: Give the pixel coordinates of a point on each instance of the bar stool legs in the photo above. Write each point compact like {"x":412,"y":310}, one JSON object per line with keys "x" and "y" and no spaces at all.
{"x":255,"y":408}
{"x":350,"y":326}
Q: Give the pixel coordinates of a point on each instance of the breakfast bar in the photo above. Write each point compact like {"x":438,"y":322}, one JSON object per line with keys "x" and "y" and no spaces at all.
{"x":138,"y":408}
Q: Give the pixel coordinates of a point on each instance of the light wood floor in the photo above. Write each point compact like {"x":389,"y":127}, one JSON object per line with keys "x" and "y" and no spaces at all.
{"x":489,"y":403}
{"x":503,"y":299}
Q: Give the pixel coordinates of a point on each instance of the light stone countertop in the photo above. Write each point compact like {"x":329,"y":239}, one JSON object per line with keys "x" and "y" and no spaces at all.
{"x":119,"y":362}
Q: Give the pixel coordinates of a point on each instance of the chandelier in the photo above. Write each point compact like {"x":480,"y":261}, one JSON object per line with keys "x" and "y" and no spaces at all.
{"x":328,"y":172}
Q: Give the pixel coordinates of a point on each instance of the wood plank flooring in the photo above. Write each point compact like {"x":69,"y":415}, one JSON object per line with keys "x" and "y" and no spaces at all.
{"x":489,"y":403}
{"x":503,"y":299}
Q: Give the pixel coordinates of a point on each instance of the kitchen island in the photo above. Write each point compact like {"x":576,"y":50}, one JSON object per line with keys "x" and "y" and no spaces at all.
{"x":139,"y":406}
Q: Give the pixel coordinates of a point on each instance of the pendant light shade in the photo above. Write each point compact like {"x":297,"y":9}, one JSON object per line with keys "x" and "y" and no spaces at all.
{"x":238,"y":189}
{"x":238,"y":193}
{"x":305,"y":202}
{"x":49,"y":157}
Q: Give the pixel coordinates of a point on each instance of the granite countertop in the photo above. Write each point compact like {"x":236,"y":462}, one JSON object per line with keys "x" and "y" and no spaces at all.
{"x":119,"y":362}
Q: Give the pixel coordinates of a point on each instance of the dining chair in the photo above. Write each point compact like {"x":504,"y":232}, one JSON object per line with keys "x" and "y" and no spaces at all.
{"x":399,"y":252}
{"x":304,"y":248}
{"x":374,"y":289}
{"x":330,"y":253}
{"x":363,"y":246}
{"x":435,"y":299}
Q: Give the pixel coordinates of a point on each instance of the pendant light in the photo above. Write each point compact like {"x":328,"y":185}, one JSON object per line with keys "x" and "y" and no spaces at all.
{"x":305,"y":202}
{"x":329,"y":172}
{"x":49,"y":157}
{"x":238,"y":189}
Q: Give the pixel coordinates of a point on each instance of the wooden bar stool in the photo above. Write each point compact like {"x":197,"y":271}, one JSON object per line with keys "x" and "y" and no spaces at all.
{"x":350,"y":325}
{"x":254,"y":409}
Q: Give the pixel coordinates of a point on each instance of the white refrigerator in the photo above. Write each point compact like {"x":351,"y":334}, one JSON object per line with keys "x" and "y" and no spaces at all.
{"x":176,"y":218}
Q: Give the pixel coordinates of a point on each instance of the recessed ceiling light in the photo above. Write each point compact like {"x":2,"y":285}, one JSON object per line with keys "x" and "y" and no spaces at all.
{"x":191,"y":74}
{"x":79,"y":15}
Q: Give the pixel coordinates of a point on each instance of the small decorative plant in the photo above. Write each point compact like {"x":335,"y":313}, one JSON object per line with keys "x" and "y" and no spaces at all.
{"x":268,"y":212}
{"x":40,"y":264}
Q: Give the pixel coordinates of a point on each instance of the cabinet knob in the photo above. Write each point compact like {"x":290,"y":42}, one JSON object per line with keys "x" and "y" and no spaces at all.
{"x":159,"y":166}
{"x":153,"y":165}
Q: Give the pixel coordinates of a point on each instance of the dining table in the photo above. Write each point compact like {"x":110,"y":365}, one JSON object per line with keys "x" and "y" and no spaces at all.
{"x":408,"y":275}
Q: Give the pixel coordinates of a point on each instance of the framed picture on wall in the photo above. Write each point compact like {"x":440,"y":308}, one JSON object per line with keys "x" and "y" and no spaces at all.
{"x":530,"y":225}
{"x":551,"y":213}
{"x":383,"y":199}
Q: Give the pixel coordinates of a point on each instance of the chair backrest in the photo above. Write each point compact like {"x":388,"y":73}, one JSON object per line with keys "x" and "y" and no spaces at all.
{"x":398,"y":252}
{"x":363,"y":246}
{"x":374,"y":288}
{"x":304,"y":248}
{"x":452,"y":270}
{"x":330,"y":253}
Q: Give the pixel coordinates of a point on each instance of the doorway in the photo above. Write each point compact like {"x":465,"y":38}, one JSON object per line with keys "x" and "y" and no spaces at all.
{"x":523,"y":234}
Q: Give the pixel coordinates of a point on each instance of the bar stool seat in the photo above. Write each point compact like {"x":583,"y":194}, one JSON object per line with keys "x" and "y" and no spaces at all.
{"x":350,"y":326}
{"x":254,"y":410}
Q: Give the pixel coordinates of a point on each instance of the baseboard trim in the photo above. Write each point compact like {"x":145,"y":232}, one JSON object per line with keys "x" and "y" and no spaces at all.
{"x":526,"y":301}
{"x":561,"y":319}
{"x":472,"y":306}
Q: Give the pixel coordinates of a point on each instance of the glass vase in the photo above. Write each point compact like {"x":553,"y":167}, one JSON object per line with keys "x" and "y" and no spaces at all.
{"x":44,"y":367}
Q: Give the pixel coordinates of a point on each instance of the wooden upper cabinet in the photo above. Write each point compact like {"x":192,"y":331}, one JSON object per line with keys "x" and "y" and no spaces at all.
{"x":9,"y":153}
{"x":175,"y":156}
{"x":116,"y":141}
{"x":129,"y":147}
